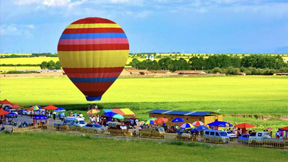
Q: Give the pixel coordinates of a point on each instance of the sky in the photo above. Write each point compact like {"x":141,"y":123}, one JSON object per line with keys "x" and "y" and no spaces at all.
{"x":186,"y":26}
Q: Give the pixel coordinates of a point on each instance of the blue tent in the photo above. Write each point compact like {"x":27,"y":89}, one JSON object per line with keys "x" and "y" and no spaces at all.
{"x":109,"y":114}
{"x":220,"y":124}
{"x":178,"y":120}
{"x":40,"y":117}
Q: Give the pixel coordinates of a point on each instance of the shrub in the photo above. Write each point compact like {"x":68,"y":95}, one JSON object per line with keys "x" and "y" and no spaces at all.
{"x":217,"y":70}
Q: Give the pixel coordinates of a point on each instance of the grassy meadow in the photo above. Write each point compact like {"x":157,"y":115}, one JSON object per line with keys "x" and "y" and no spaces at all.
{"x":233,"y":94}
{"x":60,"y":147}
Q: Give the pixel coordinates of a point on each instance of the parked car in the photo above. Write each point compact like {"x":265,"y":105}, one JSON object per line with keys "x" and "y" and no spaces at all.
{"x":116,"y":128}
{"x":93,"y":128}
{"x":216,"y":136}
{"x":244,"y":139}
{"x":231,"y":135}
{"x":13,"y":111}
{"x":152,"y":132}
{"x":259,"y":135}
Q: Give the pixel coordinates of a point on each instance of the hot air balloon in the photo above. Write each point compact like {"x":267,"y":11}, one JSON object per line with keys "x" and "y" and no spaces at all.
{"x":93,"y":52}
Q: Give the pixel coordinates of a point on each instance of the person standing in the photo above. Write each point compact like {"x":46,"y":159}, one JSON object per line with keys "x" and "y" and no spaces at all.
{"x":54,"y":115}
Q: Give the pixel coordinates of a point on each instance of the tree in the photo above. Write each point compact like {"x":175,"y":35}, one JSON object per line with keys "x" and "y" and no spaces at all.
{"x":134,"y":62}
{"x":51,"y":65}
{"x":44,"y":65}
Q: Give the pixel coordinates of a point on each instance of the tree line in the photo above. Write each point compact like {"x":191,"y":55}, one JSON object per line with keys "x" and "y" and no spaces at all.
{"x":215,"y":62}
{"x":50,"y":65}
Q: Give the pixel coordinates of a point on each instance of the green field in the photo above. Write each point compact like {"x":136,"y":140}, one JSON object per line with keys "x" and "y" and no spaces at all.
{"x":59,"y":147}
{"x":233,"y":94}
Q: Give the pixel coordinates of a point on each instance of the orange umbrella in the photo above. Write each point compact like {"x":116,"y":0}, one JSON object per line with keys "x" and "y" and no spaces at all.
{"x":50,"y":107}
{"x":16,"y":106}
{"x":3,"y":112}
{"x":160,"y":121}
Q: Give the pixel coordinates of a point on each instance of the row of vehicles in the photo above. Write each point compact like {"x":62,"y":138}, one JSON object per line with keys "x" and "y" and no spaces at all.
{"x":210,"y":136}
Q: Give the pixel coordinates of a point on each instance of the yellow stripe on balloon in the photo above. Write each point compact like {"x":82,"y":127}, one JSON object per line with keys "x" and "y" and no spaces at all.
{"x":73,"y":26}
{"x":93,"y":59}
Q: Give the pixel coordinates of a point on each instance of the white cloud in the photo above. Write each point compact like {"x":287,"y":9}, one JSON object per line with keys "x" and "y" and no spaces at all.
{"x":43,"y":2}
{"x":14,"y":29}
{"x":140,"y":14}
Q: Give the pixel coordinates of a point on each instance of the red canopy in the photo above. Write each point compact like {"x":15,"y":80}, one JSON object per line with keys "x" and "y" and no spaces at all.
{"x":284,"y":129}
{"x":6,"y":102}
{"x":244,"y":125}
{"x":50,"y":107}
{"x":16,"y":106}
{"x":3,"y":112}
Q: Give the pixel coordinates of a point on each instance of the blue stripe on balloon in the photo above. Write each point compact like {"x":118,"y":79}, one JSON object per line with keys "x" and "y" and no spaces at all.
{"x":92,"y":80}
{"x":93,"y":35}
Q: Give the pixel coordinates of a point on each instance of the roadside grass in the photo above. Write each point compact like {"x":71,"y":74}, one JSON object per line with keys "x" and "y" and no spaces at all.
{"x":63,"y":147}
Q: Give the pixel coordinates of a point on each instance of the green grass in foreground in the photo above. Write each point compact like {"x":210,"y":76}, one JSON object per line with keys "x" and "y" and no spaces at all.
{"x":233,"y":94}
{"x":60,"y":147}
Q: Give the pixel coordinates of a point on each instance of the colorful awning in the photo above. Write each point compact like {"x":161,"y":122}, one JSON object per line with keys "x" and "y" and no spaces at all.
{"x":123,"y":112}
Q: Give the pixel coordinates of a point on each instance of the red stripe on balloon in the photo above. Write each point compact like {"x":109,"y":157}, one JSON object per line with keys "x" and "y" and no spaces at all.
{"x":93,"y":20}
{"x":93,"y":48}
{"x":93,"y":75}
{"x":93,"y":70}
{"x":93,"y":41}
{"x":91,"y":87}
{"x":93,"y":30}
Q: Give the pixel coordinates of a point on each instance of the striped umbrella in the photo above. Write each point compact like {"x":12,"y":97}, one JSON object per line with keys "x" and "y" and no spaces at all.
{"x":35,"y":108}
{"x":197,"y":123}
{"x":186,"y":126}
{"x":150,"y":122}
{"x":93,"y":111}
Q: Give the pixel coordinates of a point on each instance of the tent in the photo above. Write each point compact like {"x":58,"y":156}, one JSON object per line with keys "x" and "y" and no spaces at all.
{"x":3,"y":112}
{"x":124,"y":112}
{"x":6,"y":102}
{"x":243,"y":126}
{"x":16,"y":106}
{"x":50,"y":107}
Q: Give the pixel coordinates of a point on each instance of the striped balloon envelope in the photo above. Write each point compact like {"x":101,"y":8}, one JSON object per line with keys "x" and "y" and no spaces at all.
{"x":93,"y":52}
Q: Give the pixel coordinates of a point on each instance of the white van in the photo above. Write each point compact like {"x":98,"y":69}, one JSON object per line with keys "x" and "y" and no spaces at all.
{"x":73,"y":121}
{"x":259,"y":136}
{"x":216,"y":136}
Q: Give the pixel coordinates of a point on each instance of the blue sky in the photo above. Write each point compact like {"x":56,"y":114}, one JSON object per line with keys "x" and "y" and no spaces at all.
{"x":194,"y":26}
